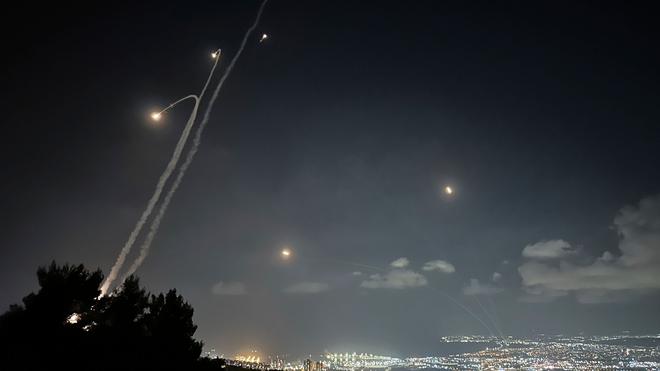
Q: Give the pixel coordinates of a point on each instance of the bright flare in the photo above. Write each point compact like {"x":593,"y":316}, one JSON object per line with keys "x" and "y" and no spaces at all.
{"x":448,"y":190}
{"x":214,"y":55}
{"x":155,"y":116}
{"x":263,"y":37}
{"x":286,"y":253}
{"x":73,"y":319}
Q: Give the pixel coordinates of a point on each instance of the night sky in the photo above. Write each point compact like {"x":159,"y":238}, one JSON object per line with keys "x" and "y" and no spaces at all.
{"x":335,"y":137}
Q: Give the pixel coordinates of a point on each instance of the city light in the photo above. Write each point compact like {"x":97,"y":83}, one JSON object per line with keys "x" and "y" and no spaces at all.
{"x":488,"y":353}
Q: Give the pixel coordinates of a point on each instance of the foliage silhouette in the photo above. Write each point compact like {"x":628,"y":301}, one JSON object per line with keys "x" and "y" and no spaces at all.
{"x":65,"y":325}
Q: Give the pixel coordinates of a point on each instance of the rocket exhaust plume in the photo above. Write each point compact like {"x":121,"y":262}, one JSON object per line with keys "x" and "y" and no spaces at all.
{"x":155,"y":224}
{"x":160,"y":185}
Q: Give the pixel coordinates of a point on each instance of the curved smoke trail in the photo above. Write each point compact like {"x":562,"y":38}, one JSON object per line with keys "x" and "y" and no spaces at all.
{"x":171,"y":165}
{"x":150,"y":205}
{"x":155,"y":224}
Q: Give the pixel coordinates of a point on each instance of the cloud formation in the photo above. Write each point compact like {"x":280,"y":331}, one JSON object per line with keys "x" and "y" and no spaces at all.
{"x":439,"y":265}
{"x":229,"y":288}
{"x":552,"y":249}
{"x":400,"y":263}
{"x":497,"y":276}
{"x":395,"y":279}
{"x":608,"y":277}
{"x":477,"y":288}
{"x":307,"y":288}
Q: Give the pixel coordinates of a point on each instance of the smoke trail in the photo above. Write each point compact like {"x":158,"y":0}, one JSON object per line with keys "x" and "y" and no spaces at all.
{"x":159,"y":186}
{"x":495,"y":317}
{"x":155,"y":224}
{"x":150,"y":205}
{"x":466,"y":309}
{"x":483,"y":309}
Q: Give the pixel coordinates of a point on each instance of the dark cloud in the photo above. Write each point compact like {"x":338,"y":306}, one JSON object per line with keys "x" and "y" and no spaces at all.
{"x":400,"y":263}
{"x":439,"y":265}
{"x":397,"y":278}
{"x":552,"y":249}
{"x":635,"y":267}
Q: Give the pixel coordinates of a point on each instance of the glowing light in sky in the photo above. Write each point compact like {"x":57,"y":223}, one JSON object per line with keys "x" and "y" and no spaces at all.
{"x":156,"y":116}
{"x":449,"y":190}
{"x":286,"y":253}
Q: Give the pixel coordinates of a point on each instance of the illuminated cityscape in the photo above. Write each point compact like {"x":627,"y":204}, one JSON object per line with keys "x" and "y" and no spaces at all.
{"x":543,"y":352}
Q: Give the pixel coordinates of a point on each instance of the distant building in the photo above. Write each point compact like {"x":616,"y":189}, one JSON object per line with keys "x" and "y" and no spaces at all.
{"x":310,"y":365}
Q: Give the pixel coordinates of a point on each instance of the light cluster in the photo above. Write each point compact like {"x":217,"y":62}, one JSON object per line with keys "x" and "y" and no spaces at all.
{"x":492,"y":353}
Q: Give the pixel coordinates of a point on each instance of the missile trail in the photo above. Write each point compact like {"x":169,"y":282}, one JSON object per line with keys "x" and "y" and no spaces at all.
{"x":171,"y":165}
{"x":488,"y":316}
{"x":155,"y":224}
{"x":495,"y":318}
{"x":150,"y":205}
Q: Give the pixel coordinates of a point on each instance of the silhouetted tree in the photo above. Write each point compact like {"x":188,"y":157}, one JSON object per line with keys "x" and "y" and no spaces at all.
{"x":170,"y":325}
{"x":39,"y":333}
{"x":204,"y":364}
{"x":65,"y":325}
